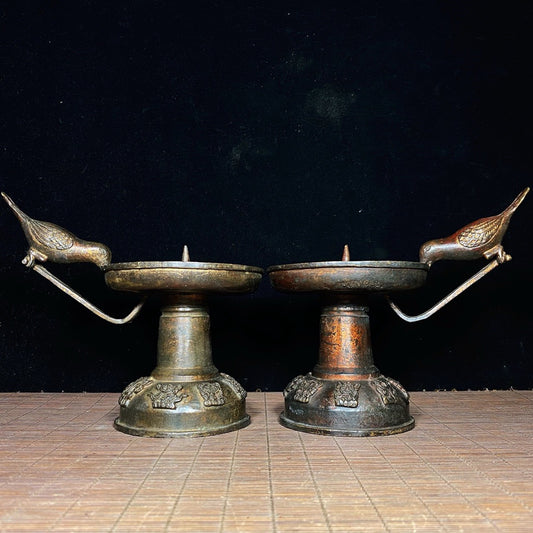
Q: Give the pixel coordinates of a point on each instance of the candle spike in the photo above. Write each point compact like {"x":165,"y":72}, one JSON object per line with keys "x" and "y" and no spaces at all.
{"x":346,"y":253}
{"x":185,"y":255}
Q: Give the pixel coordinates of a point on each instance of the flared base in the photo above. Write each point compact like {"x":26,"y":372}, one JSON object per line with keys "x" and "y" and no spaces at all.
{"x":137,"y":432}
{"x":355,"y":408}
{"x":153,"y":408}
{"x":368,"y":432}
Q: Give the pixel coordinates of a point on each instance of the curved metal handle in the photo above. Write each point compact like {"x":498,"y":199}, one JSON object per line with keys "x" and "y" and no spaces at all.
{"x":468,"y":283}
{"x":73,"y":294}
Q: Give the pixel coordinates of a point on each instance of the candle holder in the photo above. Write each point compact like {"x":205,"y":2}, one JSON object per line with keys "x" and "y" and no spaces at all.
{"x":346,"y":394}
{"x":185,"y":395}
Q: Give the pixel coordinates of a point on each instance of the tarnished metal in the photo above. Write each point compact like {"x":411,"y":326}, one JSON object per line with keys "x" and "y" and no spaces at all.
{"x":346,"y":394}
{"x":185,"y":395}
{"x":481,"y":238}
{"x":184,"y":277}
{"x":80,"y":299}
{"x":348,"y":276}
{"x":50,"y":242}
{"x":456,"y":292}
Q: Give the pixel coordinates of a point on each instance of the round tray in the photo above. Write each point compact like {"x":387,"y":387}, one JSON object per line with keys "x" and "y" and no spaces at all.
{"x":182,"y":276}
{"x":348,"y":276}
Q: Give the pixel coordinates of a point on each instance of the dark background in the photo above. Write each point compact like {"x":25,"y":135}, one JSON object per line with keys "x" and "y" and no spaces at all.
{"x":261,"y":135}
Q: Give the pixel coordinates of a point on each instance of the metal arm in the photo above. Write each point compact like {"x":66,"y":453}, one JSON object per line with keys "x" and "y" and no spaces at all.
{"x":468,"y":283}
{"x":73,"y":294}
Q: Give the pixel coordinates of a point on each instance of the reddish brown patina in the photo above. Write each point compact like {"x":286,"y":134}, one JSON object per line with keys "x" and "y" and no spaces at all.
{"x":345,"y":350}
{"x":346,"y":394}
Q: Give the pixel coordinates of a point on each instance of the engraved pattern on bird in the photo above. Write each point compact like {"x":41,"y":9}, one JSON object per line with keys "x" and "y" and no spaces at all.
{"x":480,"y":233}
{"x":53,"y":237}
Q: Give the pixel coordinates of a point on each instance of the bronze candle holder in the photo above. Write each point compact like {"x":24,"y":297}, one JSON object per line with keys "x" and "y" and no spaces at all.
{"x":185,"y":395}
{"x":346,"y":394}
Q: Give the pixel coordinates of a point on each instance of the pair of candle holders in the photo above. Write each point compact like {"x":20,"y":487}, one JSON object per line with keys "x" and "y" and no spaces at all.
{"x":186,"y":395}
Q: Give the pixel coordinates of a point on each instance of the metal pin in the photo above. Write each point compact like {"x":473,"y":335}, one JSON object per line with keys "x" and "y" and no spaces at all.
{"x":346,"y":253}
{"x":185,"y":255}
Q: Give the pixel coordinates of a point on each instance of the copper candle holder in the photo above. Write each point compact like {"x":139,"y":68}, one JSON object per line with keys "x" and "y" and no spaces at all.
{"x":346,"y":394}
{"x":185,"y":395}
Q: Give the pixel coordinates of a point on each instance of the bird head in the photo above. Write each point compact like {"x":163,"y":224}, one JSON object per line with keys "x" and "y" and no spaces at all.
{"x":99,"y":254}
{"x":431,"y":251}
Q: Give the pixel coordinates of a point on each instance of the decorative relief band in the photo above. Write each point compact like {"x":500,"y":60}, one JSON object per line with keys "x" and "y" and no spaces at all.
{"x":347,"y":393}
{"x":389,"y":390}
{"x":211,"y":393}
{"x":302,"y":388}
{"x":235,"y":386}
{"x":292,"y":386}
{"x":166,"y":396}
{"x":133,"y":389}
{"x":403,"y":393}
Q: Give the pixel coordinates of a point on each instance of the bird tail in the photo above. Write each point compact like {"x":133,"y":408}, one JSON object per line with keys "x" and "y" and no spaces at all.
{"x":516,"y":202}
{"x":18,"y":212}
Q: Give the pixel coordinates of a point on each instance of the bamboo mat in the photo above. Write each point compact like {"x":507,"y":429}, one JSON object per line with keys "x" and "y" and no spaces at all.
{"x":467,"y":466}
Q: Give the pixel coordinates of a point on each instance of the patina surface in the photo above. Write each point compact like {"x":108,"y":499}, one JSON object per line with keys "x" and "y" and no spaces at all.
{"x":348,"y":276}
{"x":182,"y":276}
{"x":481,"y":238}
{"x":346,"y":394}
{"x":185,"y":395}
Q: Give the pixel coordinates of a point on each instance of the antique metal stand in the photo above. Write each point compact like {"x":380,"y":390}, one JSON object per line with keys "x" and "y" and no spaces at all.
{"x":185,"y":395}
{"x":346,"y":394}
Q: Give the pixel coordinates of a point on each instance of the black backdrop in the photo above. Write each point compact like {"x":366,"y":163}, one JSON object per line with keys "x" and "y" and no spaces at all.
{"x":265,"y":134}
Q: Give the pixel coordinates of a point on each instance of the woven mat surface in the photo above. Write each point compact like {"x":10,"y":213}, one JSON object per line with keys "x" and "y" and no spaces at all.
{"x":467,"y":466}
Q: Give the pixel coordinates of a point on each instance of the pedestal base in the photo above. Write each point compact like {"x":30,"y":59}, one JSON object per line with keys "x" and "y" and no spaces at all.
{"x":153,"y":408}
{"x":358,"y":408}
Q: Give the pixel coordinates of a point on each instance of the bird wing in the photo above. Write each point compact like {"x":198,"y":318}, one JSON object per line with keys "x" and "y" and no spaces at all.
{"x":479,"y":234}
{"x":50,"y":235}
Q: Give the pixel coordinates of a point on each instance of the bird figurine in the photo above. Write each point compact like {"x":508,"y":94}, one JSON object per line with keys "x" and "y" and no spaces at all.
{"x":51,"y":242}
{"x":481,"y":238}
